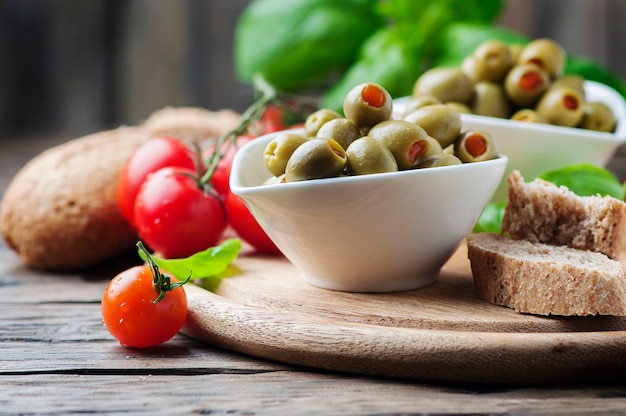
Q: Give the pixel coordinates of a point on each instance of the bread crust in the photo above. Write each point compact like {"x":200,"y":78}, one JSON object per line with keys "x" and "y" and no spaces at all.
{"x":541,"y":212}
{"x":60,"y":210}
{"x":190,"y":123}
{"x":544,"y":279}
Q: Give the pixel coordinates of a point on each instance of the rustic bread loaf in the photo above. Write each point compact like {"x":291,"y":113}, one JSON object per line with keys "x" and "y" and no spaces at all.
{"x":541,"y":212}
{"x":190,"y":123}
{"x":60,"y":211}
{"x":545,"y":279}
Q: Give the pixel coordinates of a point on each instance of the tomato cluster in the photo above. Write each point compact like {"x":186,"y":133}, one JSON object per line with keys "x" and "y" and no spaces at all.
{"x":179,"y":201}
{"x":162,"y":194}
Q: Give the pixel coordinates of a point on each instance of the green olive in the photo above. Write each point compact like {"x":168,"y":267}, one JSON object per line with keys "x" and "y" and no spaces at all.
{"x":490,"y":100}
{"x":516,"y":50}
{"x":574,"y":81}
{"x":419,"y":102}
{"x":408,"y":142}
{"x":342,"y":130}
{"x":545,"y":53}
{"x":492,"y":61}
{"x":475,"y":146}
{"x":279,"y":150}
{"x":462,"y":108}
{"x":316,"y":159}
{"x":525,"y":84}
{"x":440,"y":121}
{"x":468,"y":66}
{"x":367,"y":155}
{"x":317,"y":119}
{"x":444,"y":83}
{"x":367,"y":104}
{"x":562,"y":105}
{"x":444,"y":159}
{"x":528,"y":115}
{"x":598,"y":117}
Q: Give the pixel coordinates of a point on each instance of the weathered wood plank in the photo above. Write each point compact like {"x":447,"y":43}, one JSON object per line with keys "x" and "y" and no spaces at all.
{"x":279,"y":393}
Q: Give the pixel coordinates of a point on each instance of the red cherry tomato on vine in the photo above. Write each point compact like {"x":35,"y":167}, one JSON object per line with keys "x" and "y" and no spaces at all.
{"x":273,"y":119}
{"x":151,"y":156}
{"x":129,"y":314}
{"x":246,"y":226}
{"x":221,"y":176}
{"x":175,"y":216}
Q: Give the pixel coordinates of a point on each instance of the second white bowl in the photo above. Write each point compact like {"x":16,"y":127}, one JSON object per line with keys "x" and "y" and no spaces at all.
{"x":534,"y":148}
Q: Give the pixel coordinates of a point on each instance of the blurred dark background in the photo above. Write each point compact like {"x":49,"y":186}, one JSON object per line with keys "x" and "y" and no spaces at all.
{"x":70,"y":67}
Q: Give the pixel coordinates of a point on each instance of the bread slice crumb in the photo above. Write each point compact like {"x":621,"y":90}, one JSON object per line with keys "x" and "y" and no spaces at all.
{"x":541,"y":212}
{"x":545,"y":279}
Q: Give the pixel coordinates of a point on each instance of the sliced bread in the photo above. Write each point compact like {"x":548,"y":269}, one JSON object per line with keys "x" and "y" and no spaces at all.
{"x":545,"y":279}
{"x":541,"y":212}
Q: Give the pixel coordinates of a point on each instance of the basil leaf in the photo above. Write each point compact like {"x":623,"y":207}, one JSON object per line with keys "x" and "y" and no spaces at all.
{"x":294,"y":44}
{"x":207,"y":264}
{"x":395,"y":55}
{"x":585,"y":180}
{"x":460,"y":39}
{"x":383,"y":60}
{"x":490,"y":220}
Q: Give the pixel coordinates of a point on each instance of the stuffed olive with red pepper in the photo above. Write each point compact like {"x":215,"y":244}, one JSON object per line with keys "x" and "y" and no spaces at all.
{"x":517,"y":82}
{"x":338,"y":147}
{"x":366,"y":105}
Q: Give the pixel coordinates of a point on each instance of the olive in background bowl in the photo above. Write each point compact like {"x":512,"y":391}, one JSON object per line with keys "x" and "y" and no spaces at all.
{"x":379,"y":232}
{"x":534,"y":148}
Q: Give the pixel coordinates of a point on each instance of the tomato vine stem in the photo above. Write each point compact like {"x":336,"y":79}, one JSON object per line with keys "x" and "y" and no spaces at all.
{"x":162,"y":282}
{"x":268,"y":95}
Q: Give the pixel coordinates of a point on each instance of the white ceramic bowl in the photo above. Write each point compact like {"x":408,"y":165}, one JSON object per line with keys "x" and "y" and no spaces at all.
{"x":370,"y":233}
{"x":536,"y":148}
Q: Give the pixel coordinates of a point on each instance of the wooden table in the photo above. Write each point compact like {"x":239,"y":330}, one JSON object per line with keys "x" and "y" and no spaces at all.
{"x":56,"y":357}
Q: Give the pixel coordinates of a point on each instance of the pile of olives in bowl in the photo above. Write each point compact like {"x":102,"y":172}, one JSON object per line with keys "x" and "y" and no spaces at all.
{"x":523,"y":83}
{"x":367,"y":140}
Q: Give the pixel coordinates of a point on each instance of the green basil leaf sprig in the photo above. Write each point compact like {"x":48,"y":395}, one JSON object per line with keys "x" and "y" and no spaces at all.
{"x":206,"y":265}
{"x":585,"y":180}
{"x":296,"y":43}
{"x":383,"y":60}
{"x":300,"y":45}
{"x":460,"y":39}
{"x":397,"y":54}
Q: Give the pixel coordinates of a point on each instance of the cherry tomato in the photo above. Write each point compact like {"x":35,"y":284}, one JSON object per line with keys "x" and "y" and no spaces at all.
{"x":246,"y":226}
{"x":153,"y":155}
{"x":130,"y":314}
{"x":273,"y":119}
{"x":221,"y":176}
{"x":176,"y":217}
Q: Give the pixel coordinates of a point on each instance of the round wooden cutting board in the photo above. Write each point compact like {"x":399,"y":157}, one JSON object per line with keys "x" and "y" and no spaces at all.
{"x":441,"y":332}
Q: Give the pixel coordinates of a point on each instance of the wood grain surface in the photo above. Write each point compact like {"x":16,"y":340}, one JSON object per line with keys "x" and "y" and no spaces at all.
{"x":442,"y":332}
{"x":57,"y":358}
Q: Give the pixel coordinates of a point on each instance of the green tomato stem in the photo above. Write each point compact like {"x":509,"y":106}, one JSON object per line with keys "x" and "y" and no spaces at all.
{"x":252,"y":114}
{"x":161,"y":282}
